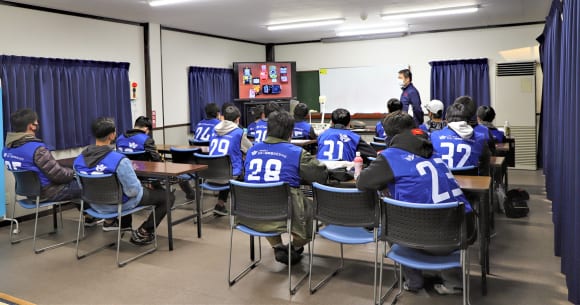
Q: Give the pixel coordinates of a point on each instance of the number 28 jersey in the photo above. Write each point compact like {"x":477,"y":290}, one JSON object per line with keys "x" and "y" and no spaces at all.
{"x":421,"y":180}
{"x":273,"y":162}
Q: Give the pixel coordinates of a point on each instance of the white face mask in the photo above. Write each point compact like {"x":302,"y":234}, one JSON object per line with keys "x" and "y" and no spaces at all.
{"x":401,"y":82}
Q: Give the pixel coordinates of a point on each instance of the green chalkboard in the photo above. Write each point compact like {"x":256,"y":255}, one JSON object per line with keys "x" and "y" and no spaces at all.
{"x":308,"y":88}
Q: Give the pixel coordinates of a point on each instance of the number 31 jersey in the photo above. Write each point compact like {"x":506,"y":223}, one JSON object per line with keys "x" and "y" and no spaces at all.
{"x":273,"y":162}
{"x":421,"y":180}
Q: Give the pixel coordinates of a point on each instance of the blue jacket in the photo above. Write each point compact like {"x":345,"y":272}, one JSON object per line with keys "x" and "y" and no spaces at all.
{"x":410,"y":96}
{"x":204,"y":129}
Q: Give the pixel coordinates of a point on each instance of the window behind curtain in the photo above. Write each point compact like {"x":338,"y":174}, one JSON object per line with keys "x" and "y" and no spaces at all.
{"x":67,"y":95}
{"x":208,"y":85}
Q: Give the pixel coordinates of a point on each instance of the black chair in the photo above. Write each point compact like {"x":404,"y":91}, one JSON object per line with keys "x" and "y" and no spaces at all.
{"x":135,"y":155}
{"x":411,"y":227}
{"x":260,"y":202}
{"x":28,"y":185}
{"x":106,"y":190}
{"x":193,"y":142}
{"x":379,"y":139}
{"x":346,"y":213}
{"x":378,"y":146}
{"x":183,"y":155}
{"x":219,"y":168}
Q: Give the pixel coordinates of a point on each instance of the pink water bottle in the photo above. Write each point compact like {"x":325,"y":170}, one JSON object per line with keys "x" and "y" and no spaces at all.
{"x":358,"y":164}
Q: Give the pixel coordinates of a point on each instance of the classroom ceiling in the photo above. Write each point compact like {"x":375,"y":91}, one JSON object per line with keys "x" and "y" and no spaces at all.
{"x":247,"y":19}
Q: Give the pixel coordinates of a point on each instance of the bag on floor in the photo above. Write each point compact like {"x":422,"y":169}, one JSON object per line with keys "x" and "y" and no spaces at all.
{"x":516,"y":203}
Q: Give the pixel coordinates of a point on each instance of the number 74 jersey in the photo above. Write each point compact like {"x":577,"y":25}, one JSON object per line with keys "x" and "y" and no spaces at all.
{"x":422,"y":180}
{"x":273,"y":162}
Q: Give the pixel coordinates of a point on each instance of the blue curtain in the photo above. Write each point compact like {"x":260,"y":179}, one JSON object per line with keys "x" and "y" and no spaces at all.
{"x":559,"y":51}
{"x":453,"y":78}
{"x":208,"y":85}
{"x":67,"y":95}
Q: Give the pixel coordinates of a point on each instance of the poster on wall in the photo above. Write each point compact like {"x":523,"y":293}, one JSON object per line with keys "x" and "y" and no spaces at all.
{"x":265,"y":80}
{"x":3,"y":198}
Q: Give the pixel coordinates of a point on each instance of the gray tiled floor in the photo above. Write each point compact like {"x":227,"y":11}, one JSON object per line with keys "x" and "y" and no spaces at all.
{"x":524,"y":270}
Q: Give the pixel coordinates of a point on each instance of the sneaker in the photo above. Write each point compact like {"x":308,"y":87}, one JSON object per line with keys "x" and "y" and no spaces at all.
{"x":140,"y":239}
{"x":442,"y":289}
{"x":220,"y":210}
{"x":410,"y":289}
{"x":190,"y":196}
{"x":281,"y":255}
{"x":109,"y":226}
{"x":91,"y":221}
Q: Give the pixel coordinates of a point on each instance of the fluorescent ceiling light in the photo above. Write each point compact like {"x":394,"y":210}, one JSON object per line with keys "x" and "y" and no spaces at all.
{"x":431,"y":13}
{"x":394,"y":23}
{"x":304,"y":24}
{"x":371,"y":31}
{"x":166,"y":2}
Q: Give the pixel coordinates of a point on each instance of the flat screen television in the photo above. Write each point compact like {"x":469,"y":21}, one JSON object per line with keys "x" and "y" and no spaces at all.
{"x":265,"y":80}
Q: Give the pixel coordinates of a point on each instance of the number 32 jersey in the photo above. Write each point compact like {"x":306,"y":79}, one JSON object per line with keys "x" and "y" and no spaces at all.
{"x":457,"y":151}
{"x":273,"y":162}
{"x":421,"y":180}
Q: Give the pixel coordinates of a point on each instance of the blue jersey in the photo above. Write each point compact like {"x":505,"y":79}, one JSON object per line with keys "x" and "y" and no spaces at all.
{"x":301,"y":130}
{"x":204,"y":129}
{"x":483,"y":130}
{"x":498,"y":135}
{"x":107,"y":165}
{"x":135,"y":143}
{"x":261,"y":131}
{"x":252,"y":130}
{"x":455,"y":150}
{"x":337,"y":144}
{"x":22,"y":158}
{"x":379,"y":130}
{"x":279,"y":162}
{"x":228,"y":144}
{"x":421,"y":180}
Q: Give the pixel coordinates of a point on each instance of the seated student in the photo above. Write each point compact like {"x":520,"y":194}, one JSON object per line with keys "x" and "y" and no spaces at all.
{"x":257,"y":114}
{"x":302,"y":129}
{"x":339,"y":143}
{"x":471,"y":109}
{"x":434,"y":110}
{"x":262,"y":125}
{"x":24,"y":151}
{"x":392,"y":106}
{"x":138,"y":139}
{"x":276,"y":160}
{"x":204,"y":128}
{"x":485,"y":117}
{"x":229,"y":139}
{"x":404,"y":176}
{"x":458,"y":144}
{"x":99,"y":159}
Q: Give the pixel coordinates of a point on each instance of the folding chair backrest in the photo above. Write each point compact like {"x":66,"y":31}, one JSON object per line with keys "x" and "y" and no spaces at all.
{"x":198,"y":143}
{"x":378,"y":146}
{"x":424,"y":226}
{"x":379,"y":139}
{"x":346,"y":206}
{"x":27,"y":183}
{"x":100,"y":189}
{"x":465,"y":171}
{"x":261,"y":201}
{"x":219,"y":167}
{"x":135,"y":155}
{"x":183,"y":155}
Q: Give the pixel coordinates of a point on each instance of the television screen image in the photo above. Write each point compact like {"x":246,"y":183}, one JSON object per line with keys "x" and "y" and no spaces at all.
{"x":265,"y":80}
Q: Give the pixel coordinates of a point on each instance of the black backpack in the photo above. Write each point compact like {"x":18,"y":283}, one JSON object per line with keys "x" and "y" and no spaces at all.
{"x":516,"y":203}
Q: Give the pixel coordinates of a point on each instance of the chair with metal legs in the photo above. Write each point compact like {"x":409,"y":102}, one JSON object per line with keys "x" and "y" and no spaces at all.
{"x":268,"y":202}
{"x":346,"y":214}
{"x":106,"y":190}
{"x":28,"y":185}
{"x":415,"y":229}
{"x":219,"y":169}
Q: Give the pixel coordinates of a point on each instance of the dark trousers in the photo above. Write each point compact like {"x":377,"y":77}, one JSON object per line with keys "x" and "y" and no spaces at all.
{"x":155,"y":197}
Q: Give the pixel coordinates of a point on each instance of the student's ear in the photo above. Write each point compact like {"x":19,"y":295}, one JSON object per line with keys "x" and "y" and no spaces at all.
{"x":237,"y":121}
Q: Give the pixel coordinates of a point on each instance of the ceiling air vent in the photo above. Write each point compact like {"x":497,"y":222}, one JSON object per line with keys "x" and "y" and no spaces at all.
{"x":516,"y":68}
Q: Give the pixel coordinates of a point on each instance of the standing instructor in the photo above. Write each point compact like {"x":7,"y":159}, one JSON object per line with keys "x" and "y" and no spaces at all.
{"x":410,"y":96}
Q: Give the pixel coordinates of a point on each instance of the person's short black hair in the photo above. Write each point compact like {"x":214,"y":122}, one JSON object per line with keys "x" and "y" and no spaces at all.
{"x":226,"y":105}
{"x":257,"y":112}
{"x":231,"y":113}
{"x":457,"y":112}
{"x":280,"y":124}
{"x":271,"y":107}
{"x":469,"y":104}
{"x":486,"y":113}
{"x":300,"y":111}
{"x":143,"y":121}
{"x":397,"y":122}
{"x":341,"y":116}
{"x":211,"y":110}
{"x":102,"y":127}
{"x":407,"y":74}
{"x":22,"y":118}
{"x":394,"y":105}
{"x":437,"y":115}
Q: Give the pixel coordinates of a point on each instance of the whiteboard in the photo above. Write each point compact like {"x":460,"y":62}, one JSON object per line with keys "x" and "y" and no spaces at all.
{"x":360,"y":89}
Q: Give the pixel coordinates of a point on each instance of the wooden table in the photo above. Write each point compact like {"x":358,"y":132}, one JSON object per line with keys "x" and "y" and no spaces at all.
{"x":302,"y":143}
{"x":483,"y":187}
{"x":166,"y":170}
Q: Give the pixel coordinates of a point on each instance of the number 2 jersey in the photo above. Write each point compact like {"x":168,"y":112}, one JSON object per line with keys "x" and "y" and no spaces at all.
{"x":273,"y":162}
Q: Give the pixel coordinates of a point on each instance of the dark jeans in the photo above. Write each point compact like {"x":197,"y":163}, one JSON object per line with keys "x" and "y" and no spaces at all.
{"x":68,"y":192}
{"x":155,"y":197}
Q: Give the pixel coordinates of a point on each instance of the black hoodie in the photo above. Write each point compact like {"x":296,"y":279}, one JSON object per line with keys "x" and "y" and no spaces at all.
{"x":93,"y":154}
{"x":379,"y":174}
{"x":151,"y":152}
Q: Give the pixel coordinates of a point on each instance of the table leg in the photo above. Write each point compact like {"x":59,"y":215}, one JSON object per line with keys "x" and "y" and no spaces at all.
{"x":198,"y":206}
{"x":168,"y":207}
{"x":252,"y":248}
{"x":483,"y":241}
{"x":54,"y":216}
